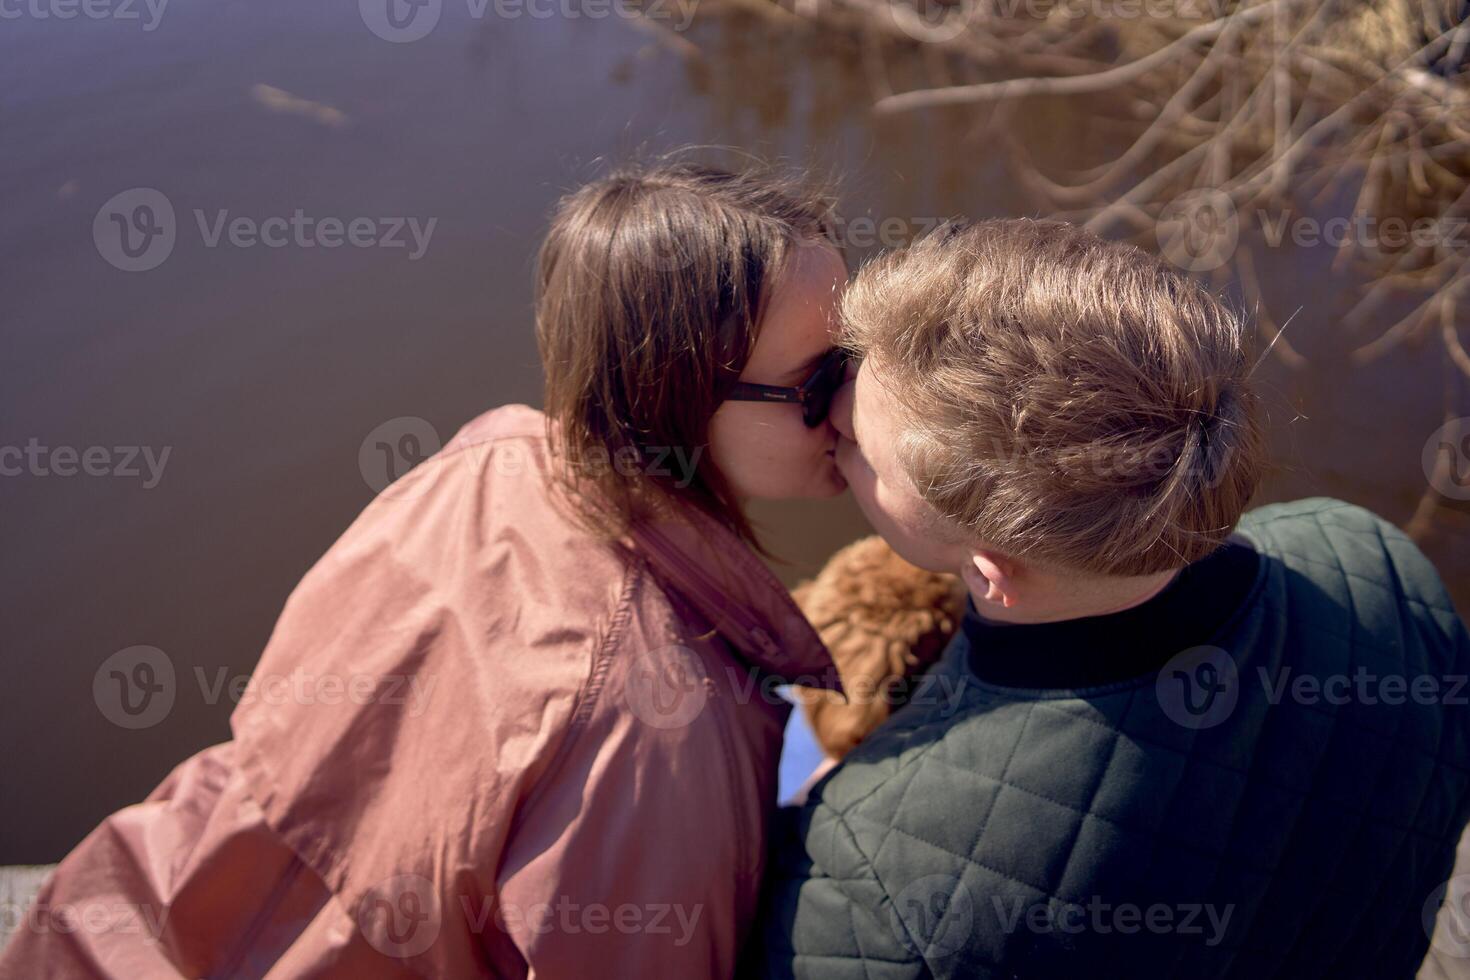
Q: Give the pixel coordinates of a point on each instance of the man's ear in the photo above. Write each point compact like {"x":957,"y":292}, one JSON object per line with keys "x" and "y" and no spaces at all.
{"x":992,"y":577}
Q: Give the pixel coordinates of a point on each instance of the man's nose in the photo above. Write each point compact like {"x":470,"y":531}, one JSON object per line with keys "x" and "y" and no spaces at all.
{"x":842,"y":410}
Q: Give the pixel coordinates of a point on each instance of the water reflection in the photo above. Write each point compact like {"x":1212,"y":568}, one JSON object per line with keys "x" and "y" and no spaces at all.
{"x":262,"y":368}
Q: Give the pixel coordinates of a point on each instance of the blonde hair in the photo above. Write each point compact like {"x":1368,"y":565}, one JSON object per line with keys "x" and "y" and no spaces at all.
{"x":1071,"y":402}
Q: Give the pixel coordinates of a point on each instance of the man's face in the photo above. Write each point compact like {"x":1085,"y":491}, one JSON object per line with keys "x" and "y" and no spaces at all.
{"x":868,"y":426}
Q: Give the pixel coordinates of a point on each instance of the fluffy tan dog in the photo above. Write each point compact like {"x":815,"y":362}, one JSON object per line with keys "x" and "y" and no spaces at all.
{"x":884,"y":621}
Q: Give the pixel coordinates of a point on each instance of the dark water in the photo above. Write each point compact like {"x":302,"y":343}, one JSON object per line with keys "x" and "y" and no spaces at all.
{"x":261,"y":371}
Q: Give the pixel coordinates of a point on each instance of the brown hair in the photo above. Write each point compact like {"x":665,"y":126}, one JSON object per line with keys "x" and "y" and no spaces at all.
{"x":650,"y":288}
{"x":1070,"y":401}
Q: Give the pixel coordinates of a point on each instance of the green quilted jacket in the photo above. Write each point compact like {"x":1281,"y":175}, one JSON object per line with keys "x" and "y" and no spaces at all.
{"x":1283,"y":801}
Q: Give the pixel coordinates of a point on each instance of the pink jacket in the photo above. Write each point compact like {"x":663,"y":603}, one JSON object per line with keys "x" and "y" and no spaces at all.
{"x":479,"y":743}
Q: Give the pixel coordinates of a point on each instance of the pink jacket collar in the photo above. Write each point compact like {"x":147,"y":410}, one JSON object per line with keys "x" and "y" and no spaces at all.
{"x":734,"y":590}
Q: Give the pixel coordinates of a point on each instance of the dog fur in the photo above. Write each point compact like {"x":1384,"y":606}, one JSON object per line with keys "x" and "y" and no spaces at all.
{"x":884,"y":621}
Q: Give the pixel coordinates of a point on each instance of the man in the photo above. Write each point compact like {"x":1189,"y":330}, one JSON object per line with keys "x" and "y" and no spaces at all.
{"x":1169,"y":739}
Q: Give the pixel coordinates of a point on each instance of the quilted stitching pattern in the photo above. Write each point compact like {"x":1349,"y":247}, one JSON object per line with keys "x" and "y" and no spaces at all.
{"x":1320,"y":828}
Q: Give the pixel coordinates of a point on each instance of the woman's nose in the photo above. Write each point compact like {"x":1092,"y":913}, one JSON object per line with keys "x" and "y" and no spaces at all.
{"x":842,"y":410}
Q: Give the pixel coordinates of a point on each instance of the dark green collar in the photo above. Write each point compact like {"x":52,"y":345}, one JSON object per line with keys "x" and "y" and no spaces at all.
{"x":1097,"y":650}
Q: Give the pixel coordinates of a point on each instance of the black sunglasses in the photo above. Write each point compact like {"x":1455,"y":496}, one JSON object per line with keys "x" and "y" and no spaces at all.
{"x":814,"y":395}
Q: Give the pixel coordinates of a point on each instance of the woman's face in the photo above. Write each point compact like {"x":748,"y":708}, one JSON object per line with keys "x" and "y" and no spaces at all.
{"x":764,"y":449}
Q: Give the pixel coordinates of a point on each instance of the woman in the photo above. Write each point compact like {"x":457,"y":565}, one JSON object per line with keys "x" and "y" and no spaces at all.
{"x":521,"y":724}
